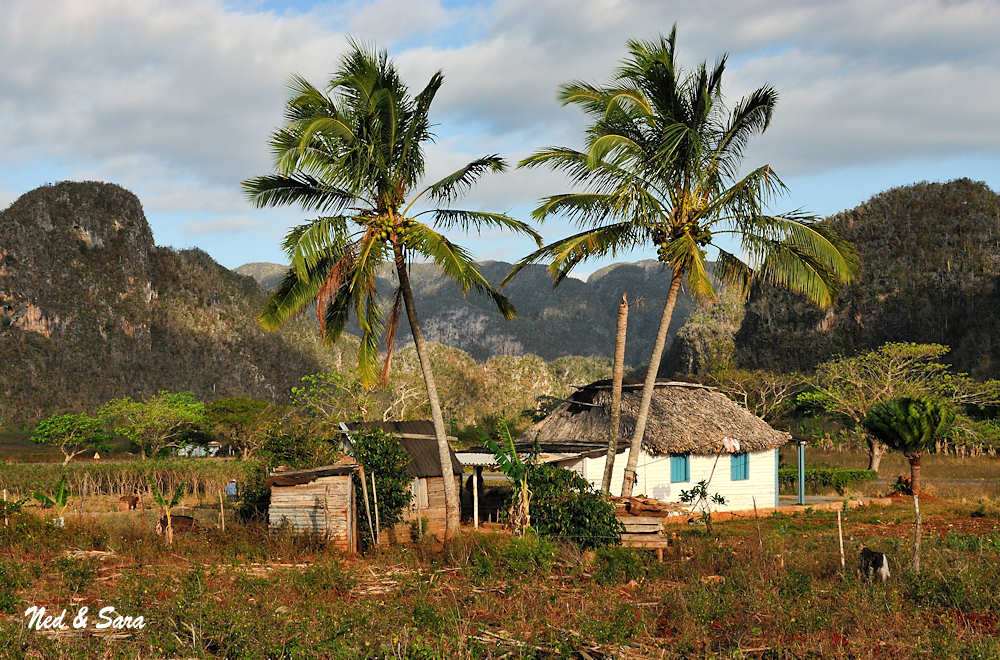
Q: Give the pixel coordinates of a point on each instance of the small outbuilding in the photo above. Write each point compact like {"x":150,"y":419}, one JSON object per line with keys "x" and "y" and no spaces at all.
{"x":693,"y":433}
{"x":427,"y":511}
{"x":318,"y":501}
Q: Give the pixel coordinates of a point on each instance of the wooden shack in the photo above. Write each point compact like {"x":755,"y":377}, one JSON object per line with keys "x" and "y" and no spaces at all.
{"x":427,"y":511}
{"x":318,"y":501}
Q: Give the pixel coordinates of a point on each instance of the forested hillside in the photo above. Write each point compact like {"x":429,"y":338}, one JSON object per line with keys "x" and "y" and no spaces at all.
{"x":930,"y":270}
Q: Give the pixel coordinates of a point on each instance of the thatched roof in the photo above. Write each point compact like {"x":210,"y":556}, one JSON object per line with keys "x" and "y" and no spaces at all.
{"x":683,"y":418}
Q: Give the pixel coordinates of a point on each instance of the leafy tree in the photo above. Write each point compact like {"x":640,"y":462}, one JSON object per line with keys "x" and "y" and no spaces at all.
{"x":565,"y":505}
{"x":382,"y":456}
{"x":664,"y":159}
{"x":242,"y":421}
{"x":159,"y":422}
{"x":354,"y":153}
{"x":912,"y":426}
{"x":74,"y":434}
{"x":848,"y":387}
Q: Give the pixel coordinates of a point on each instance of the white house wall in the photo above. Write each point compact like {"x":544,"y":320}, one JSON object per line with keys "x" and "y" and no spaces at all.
{"x":653,"y":473}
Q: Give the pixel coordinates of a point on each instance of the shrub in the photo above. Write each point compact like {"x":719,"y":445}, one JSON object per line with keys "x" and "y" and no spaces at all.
{"x":823,"y":480}
{"x":12,"y":578}
{"x":382,"y":456}
{"x":618,"y":565}
{"x":499,"y":556}
{"x":78,"y":574}
{"x":566,"y":506}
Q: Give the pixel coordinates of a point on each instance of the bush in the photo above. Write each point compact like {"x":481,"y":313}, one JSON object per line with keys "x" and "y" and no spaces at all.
{"x":381,"y":455}
{"x":499,"y":556}
{"x":822,"y":480}
{"x":619,"y":565}
{"x":565,"y":505}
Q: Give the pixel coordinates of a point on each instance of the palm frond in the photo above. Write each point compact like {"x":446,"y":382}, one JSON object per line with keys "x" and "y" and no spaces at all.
{"x":301,"y":189}
{"x":563,"y":255}
{"x":478,"y":220}
{"x":457,"y":264}
{"x":461,"y":180}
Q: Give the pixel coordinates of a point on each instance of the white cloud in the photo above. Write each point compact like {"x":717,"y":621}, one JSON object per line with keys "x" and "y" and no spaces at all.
{"x":175,"y":98}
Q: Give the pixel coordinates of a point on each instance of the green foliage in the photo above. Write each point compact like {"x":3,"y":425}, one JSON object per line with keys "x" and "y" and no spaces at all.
{"x":929,"y":275}
{"x":77,"y":574}
{"x":663,"y":161}
{"x":353,"y":152}
{"x":910,"y":425}
{"x":564,"y":505}
{"x":73,"y":433}
{"x":126,"y":477}
{"x":161,"y":421}
{"x":824,"y":480}
{"x":328,"y":575}
{"x":498,"y":557}
{"x":240,"y":421}
{"x":700,"y":498}
{"x":618,"y":565}
{"x":59,"y":498}
{"x":160,"y":497}
{"x":13,"y":577}
{"x":382,"y":456}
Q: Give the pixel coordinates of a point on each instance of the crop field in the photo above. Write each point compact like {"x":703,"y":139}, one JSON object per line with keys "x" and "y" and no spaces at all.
{"x":773,"y":591}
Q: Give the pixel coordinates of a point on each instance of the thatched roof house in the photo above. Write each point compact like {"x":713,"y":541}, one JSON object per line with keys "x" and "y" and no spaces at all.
{"x":683,"y":442}
{"x":684,"y":418}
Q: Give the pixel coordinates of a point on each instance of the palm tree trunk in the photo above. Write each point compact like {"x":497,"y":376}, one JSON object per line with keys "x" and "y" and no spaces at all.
{"x":617,"y":374}
{"x":916,"y":533}
{"x":914,"y":473}
{"x":452,"y":511}
{"x":647,"y":387}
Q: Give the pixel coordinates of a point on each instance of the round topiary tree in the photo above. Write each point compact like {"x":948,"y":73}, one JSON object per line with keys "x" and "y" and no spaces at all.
{"x":911,"y":425}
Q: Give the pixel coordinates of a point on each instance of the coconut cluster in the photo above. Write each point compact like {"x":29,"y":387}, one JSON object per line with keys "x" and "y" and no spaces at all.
{"x":384,"y":226}
{"x":701,"y":236}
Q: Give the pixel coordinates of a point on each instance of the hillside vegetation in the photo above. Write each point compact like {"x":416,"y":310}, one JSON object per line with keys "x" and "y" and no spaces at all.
{"x":930,"y":269}
{"x":577,"y":318}
{"x":91,"y":309}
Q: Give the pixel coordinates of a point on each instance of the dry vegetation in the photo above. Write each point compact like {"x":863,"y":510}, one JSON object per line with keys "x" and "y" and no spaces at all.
{"x":250,"y":593}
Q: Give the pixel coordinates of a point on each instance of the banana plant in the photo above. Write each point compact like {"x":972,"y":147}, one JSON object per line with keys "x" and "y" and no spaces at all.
{"x":60,"y":499}
{"x":511,"y":464}
{"x":166,"y":506}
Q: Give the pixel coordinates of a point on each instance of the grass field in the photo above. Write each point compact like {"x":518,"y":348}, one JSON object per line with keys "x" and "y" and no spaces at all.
{"x":250,"y":593}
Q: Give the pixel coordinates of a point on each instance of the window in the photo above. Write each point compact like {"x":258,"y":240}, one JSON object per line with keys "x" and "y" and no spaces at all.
{"x":739,"y":467}
{"x":680,"y":468}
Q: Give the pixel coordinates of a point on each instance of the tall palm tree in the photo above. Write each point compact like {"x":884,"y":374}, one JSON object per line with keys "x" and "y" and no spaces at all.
{"x":353,"y":153}
{"x":663,"y":160}
{"x":912,"y":425}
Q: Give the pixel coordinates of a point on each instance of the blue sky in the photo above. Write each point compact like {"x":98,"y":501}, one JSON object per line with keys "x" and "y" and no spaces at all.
{"x":175,"y":99}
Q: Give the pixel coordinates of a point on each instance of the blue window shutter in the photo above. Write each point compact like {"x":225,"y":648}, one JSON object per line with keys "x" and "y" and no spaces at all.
{"x":739,"y":467}
{"x":679,"y":468}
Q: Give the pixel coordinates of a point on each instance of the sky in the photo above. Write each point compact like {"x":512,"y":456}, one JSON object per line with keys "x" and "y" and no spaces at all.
{"x":175,"y":99}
